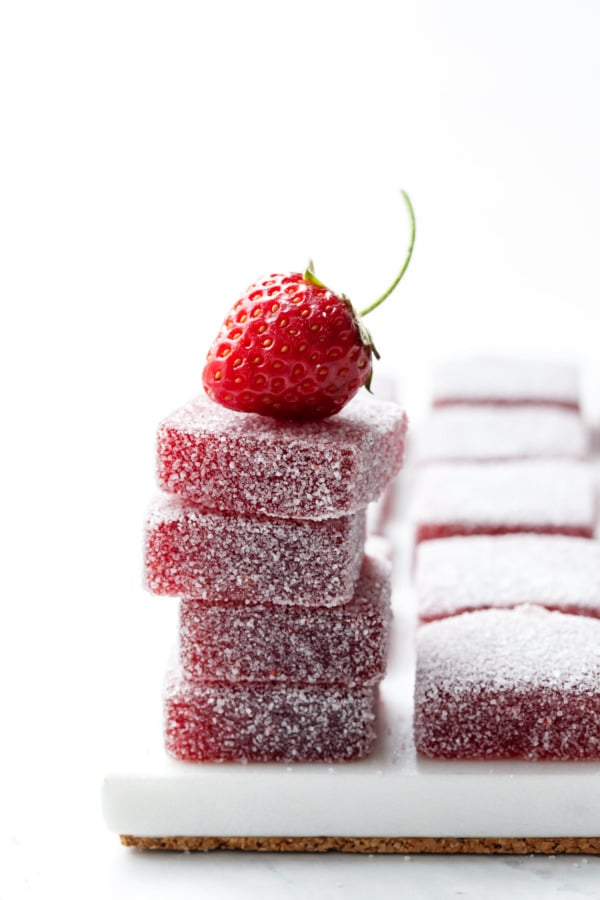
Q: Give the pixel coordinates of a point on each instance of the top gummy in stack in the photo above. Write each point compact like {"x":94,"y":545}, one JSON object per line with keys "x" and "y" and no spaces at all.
{"x":231,"y":462}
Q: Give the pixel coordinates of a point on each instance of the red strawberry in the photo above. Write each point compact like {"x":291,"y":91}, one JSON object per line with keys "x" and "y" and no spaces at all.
{"x":291,"y":348}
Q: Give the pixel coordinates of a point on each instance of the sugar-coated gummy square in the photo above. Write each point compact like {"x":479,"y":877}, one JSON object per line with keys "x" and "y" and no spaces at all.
{"x":268,"y":723}
{"x":251,"y":559}
{"x":346,"y":645}
{"x":491,"y":380}
{"x":462,"y":574}
{"x":551,"y":497}
{"x":251,"y":464}
{"x":521,"y":683}
{"x":485,"y":433}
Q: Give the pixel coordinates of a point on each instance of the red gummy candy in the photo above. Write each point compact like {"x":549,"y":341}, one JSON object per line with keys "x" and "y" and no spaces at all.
{"x":268,"y":723}
{"x":463,"y":574}
{"x":346,"y":645}
{"x":543,"y":497}
{"x":251,"y":559}
{"x":499,"y":684}
{"x":497,"y":381}
{"x":492,"y":434}
{"x":248,"y":464}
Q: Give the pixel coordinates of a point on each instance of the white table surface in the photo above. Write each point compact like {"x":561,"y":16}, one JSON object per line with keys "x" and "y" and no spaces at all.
{"x":91,"y":862}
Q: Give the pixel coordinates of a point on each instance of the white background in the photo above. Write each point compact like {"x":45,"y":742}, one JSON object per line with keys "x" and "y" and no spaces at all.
{"x":155,"y":158}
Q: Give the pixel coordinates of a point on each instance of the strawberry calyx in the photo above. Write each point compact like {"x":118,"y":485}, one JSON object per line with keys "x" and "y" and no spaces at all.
{"x":309,"y":275}
{"x":363,"y":332}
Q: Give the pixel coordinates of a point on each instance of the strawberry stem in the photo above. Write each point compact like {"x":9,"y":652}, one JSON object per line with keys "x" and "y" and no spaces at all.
{"x":411,"y":244}
{"x":309,"y":275}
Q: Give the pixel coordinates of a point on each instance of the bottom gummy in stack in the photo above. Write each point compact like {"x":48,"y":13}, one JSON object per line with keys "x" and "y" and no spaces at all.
{"x":268,"y":723}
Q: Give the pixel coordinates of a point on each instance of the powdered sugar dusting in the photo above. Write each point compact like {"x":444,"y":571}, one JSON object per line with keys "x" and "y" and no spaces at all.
{"x":528,"y":647}
{"x":240,"y":462}
{"x":251,"y":559}
{"x":509,"y":683}
{"x":497,"y":380}
{"x":467,"y":573}
{"x":496,"y":433}
{"x":534,"y":496}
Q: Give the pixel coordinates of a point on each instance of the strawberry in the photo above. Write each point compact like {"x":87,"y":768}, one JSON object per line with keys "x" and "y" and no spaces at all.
{"x":291,"y":348}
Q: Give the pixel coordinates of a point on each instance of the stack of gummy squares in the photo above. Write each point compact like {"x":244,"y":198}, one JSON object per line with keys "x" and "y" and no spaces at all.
{"x":507,"y":570}
{"x":284,"y":609}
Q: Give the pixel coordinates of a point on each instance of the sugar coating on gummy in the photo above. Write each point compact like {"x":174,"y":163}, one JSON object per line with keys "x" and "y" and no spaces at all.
{"x":503,"y":380}
{"x":462,"y":574}
{"x":552,"y":497}
{"x":246,"y":463}
{"x":520,"y":683}
{"x":251,"y":559}
{"x":482,"y":433}
{"x":346,"y":645}
{"x":268,"y":723}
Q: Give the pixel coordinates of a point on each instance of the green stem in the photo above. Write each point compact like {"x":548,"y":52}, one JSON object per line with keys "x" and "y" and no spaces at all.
{"x":411,"y":244}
